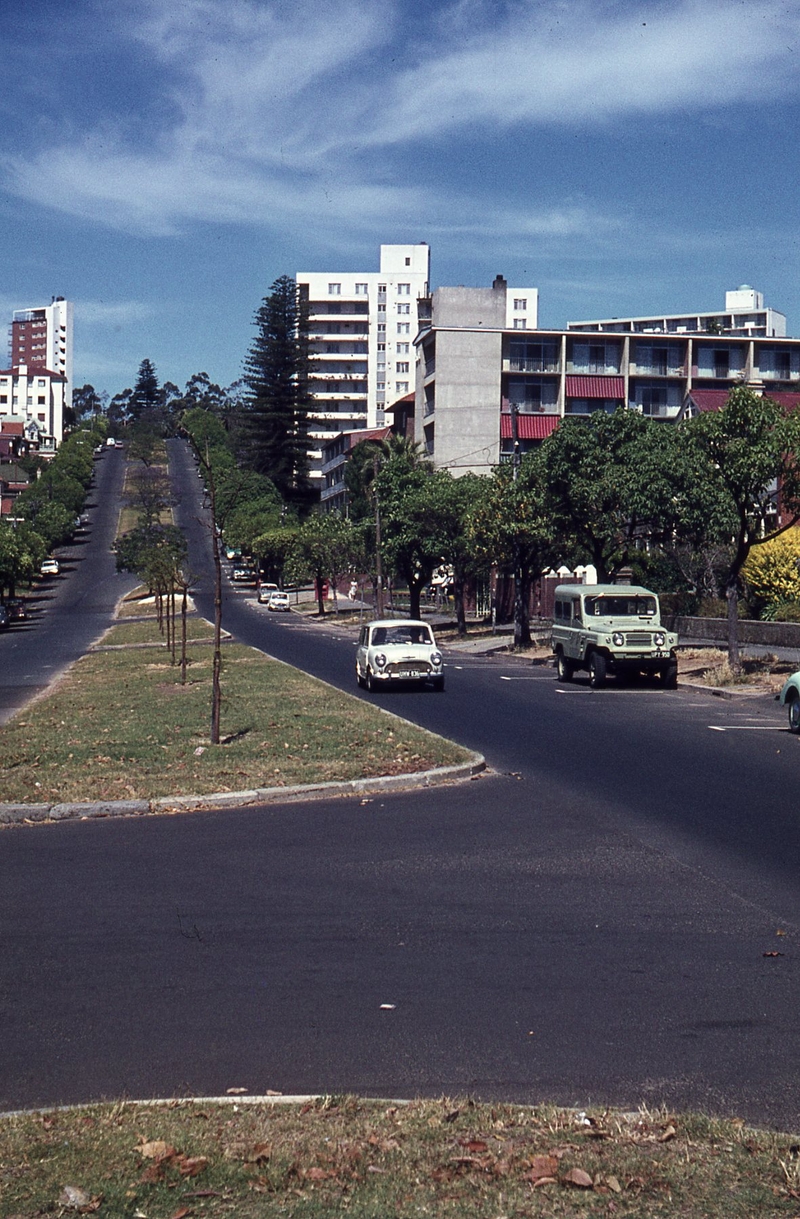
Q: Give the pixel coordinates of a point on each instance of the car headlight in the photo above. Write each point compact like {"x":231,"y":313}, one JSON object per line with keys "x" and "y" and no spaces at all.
{"x":659,"y":639}
{"x":618,"y":639}
{"x":380,"y":659}
{"x":436,"y":659}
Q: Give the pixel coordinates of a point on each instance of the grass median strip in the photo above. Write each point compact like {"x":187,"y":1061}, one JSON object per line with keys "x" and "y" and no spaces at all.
{"x":120,"y":726}
{"x":371,"y":1159}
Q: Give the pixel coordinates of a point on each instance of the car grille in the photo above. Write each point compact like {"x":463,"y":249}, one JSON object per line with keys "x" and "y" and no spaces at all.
{"x":639,"y":639}
{"x":409,"y":666}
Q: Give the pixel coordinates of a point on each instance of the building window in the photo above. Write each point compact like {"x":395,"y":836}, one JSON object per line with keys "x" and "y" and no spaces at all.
{"x":41,"y":383}
{"x":403,"y":308}
{"x":521,"y":303}
{"x":381,"y":347}
{"x":361,"y":289}
{"x":334,"y":289}
{"x":381,"y":328}
{"x":520,"y":323}
{"x":404,"y":289}
{"x":401,"y":366}
{"x":402,"y":349}
{"x":408,"y":262}
{"x":3,"y":397}
{"x":334,"y":308}
{"x":401,"y":387}
{"x":403,"y":327}
{"x":40,"y":400}
{"x":41,"y":418}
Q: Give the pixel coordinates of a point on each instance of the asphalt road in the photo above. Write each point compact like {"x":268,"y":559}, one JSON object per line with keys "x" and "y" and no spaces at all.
{"x":589,"y":925}
{"x":71,"y":610}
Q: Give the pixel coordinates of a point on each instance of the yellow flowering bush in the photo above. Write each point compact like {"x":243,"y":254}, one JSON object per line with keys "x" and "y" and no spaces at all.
{"x":771,"y":569}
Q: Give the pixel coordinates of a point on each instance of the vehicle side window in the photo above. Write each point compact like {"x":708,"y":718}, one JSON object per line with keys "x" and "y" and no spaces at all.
{"x":576,"y":611}
{"x":379,"y":636}
{"x":559,"y":609}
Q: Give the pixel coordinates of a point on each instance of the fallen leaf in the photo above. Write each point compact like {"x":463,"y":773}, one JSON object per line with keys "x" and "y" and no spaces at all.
{"x":374,"y":1168}
{"x":191,"y":1166}
{"x":261,"y":1151}
{"x":317,"y":1174}
{"x":614,"y":1184}
{"x":545,"y":1181}
{"x":578,"y":1178}
{"x":183,"y":1212}
{"x":236,"y":1091}
{"x":156,"y":1150}
{"x":668,"y":1134}
{"x":474,"y":1144}
{"x":542,"y":1166}
{"x":73,"y":1197}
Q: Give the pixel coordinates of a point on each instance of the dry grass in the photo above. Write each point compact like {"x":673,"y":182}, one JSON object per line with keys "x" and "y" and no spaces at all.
{"x":375,"y":1160}
{"x":710,"y":666}
{"x":121,"y":726}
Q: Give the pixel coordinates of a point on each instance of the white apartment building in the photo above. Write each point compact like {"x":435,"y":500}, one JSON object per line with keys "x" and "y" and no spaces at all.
{"x":744,"y":314}
{"x":35,"y":398}
{"x":362,"y":327}
{"x":42,"y":338}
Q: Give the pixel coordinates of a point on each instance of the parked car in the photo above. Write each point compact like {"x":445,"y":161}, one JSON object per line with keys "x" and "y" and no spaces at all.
{"x":17,"y":609}
{"x":265,"y":591}
{"x":243,"y":574}
{"x":790,"y":699}
{"x":391,"y":651}
{"x":5,"y":618}
{"x":49,"y":568}
{"x":232,"y":553}
{"x":279,"y":601}
{"x":611,"y":628}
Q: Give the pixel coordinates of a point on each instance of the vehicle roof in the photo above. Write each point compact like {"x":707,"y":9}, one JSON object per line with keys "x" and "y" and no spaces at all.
{"x":398,"y":622}
{"x":605,"y":590}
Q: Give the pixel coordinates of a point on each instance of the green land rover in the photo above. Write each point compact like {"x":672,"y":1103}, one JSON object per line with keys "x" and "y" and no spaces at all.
{"x":611,"y":628}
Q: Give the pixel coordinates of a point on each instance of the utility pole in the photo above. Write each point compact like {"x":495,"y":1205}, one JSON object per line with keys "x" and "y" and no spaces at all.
{"x":378,"y":560}
{"x":519,"y":614}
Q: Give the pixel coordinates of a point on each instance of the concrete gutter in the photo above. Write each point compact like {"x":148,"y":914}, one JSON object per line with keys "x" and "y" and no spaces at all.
{"x":21,"y":814}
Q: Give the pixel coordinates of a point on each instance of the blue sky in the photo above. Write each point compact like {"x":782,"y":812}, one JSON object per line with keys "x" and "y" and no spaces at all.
{"x":163,"y":161}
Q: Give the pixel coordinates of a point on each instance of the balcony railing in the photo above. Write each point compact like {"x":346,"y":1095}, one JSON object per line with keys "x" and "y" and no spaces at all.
{"x":518,"y":364}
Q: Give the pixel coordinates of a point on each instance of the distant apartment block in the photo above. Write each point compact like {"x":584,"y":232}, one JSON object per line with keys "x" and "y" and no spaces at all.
{"x":41,"y":338}
{"x":32,"y":404}
{"x":744,"y":314}
{"x":478,"y":380}
{"x":362,"y":327}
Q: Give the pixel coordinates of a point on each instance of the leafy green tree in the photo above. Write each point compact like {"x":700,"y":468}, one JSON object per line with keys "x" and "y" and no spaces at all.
{"x":745,"y":480}
{"x":273,"y":547}
{"x":147,"y":395}
{"x":512,"y":527}
{"x":275,"y":414}
{"x":324,"y":547}
{"x":609,"y":486}
{"x":453,"y":507}
{"x":22,"y":550}
{"x":412,"y":536}
{"x":87,"y":402}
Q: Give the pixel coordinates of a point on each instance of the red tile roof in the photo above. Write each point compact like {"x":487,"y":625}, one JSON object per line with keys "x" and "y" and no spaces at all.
{"x":379,"y":433}
{"x":595,"y":387}
{"x":12,"y":427}
{"x":529,"y":427}
{"x":33,"y":370}
{"x":715,"y":399}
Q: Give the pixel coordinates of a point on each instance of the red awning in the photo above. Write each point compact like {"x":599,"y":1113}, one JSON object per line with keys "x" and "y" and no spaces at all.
{"x":529,"y":427}
{"x":596,"y":387}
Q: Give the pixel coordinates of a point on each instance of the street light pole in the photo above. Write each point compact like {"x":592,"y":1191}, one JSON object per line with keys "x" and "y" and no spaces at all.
{"x":516,"y":459}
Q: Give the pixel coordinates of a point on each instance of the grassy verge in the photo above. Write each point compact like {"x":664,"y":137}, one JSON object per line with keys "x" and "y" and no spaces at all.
{"x":121,"y":726}
{"x":374,"y":1160}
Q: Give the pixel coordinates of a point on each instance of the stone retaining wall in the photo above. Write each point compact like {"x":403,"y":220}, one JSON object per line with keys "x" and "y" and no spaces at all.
{"x":768,"y":634}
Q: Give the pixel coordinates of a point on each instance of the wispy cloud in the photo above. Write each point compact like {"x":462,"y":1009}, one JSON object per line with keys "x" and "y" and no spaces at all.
{"x":112,"y":313}
{"x":280,"y":114}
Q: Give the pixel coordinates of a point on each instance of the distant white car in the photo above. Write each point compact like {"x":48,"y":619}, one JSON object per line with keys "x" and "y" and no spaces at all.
{"x":265,"y":591}
{"x":279,"y":601}
{"x":49,"y":568}
{"x":392,"y":651}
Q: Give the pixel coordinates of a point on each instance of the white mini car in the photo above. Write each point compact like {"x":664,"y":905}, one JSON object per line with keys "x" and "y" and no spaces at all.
{"x":265,"y":591}
{"x":392,"y":651}
{"x":279,"y":601}
{"x":49,"y":568}
{"x":789,"y":698}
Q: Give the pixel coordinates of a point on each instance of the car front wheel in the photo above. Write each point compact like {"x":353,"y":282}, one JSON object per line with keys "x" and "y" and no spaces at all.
{"x":794,"y":714}
{"x":597,"y":671}
{"x":438,"y":684}
{"x":669,"y":676}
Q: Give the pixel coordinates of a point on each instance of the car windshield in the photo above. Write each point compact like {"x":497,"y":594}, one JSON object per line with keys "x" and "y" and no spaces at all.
{"x":620,"y":607}
{"x":401,"y":634}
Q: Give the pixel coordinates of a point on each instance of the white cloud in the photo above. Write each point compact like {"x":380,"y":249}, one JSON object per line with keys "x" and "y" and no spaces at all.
{"x":292,"y":114}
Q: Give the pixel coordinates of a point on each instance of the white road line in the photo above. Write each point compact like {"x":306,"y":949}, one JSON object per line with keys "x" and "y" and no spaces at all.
{"x":747,"y":728}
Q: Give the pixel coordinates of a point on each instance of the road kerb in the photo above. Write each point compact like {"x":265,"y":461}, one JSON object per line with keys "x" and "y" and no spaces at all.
{"x":11,"y":814}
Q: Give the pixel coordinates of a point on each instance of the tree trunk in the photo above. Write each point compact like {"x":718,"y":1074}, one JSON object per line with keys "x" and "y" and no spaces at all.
{"x":320,"y":598}
{"x":183,"y":636}
{"x":522,"y":626}
{"x":732,"y":597}
{"x":414,"y":590}
{"x":458,"y":596}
